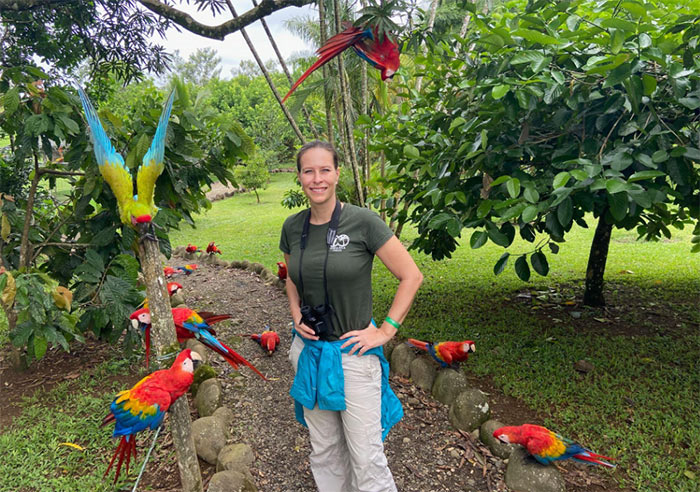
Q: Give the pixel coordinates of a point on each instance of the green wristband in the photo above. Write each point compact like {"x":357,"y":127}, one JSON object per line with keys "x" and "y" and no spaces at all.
{"x":393,"y":323}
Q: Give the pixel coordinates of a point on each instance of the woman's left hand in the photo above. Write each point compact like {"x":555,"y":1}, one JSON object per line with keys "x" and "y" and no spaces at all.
{"x":364,"y":340}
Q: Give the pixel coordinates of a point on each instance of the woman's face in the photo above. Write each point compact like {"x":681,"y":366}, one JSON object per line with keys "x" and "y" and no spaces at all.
{"x":318,"y":176}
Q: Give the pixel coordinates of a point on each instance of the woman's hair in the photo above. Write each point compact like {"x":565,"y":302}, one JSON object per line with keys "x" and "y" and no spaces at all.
{"x":317,"y":144}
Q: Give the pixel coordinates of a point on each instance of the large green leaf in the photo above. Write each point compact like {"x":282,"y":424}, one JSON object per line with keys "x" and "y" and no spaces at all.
{"x":539,"y":263}
{"x":522,"y":269}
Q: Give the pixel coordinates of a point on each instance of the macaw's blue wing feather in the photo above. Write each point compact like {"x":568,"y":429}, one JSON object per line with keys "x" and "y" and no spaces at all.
{"x":152,"y":165}
{"x":110,"y":163}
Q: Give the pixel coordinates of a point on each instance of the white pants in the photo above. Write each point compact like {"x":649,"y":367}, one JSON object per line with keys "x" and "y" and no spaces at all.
{"x":347,"y":452}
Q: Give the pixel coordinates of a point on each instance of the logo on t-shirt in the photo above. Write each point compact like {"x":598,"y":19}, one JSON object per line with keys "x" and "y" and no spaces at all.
{"x":340,"y":242}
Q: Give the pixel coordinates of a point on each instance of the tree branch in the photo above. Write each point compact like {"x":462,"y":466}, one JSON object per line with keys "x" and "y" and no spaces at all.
{"x":186,"y":21}
{"x":44,"y":170}
{"x":21,"y":5}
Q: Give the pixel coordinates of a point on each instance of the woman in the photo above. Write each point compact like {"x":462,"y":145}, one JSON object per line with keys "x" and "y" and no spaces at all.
{"x":341,"y":388}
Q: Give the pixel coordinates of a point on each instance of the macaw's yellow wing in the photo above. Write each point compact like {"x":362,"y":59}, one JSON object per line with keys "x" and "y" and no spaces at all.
{"x":110,"y":163}
{"x":153,"y":161}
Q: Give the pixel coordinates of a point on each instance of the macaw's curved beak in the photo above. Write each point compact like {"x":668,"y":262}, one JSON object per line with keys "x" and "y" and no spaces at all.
{"x":196,"y":360}
{"x":388,"y":74}
{"x":141,"y":219}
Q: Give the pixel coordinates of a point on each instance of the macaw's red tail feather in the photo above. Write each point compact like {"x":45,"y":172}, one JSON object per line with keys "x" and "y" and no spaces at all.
{"x":211,"y":318}
{"x":417,"y":344}
{"x":333,"y":47}
{"x":233,"y":358}
{"x":597,"y":459}
{"x":125,"y":450}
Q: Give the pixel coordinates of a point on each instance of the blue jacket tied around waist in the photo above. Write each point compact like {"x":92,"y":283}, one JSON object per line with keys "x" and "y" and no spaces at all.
{"x":319,"y":380}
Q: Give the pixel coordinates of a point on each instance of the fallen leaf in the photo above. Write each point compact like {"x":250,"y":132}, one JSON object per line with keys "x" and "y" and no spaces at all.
{"x":629,"y":272}
{"x":72,"y":445}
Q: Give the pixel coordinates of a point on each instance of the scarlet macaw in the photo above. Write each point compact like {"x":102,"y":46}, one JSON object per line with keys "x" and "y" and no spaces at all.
{"x":547,"y":446}
{"x":191,"y":248}
{"x":173,"y":288}
{"x":379,"y":50}
{"x":191,"y":324}
{"x":169,"y":271}
{"x":268,"y":340}
{"x":139,"y":208}
{"x":281,"y":270}
{"x":445,"y":353}
{"x":145,"y":404}
{"x":211,"y":248}
{"x":187,"y":269}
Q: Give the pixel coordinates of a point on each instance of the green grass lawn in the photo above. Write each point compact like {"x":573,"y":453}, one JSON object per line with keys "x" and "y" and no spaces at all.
{"x":640,"y":404}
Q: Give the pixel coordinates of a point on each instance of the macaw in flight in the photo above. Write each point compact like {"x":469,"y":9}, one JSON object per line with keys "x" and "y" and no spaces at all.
{"x":445,"y":353}
{"x":144,"y":405}
{"x":379,"y":50}
{"x":139,"y":208}
{"x":547,"y":446}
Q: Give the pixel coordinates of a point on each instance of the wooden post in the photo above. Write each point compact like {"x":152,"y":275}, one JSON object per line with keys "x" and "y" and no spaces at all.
{"x":164,"y":341}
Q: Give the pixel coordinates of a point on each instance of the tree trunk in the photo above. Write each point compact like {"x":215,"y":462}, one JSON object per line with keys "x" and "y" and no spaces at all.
{"x":327,"y":92}
{"x":345,"y":93}
{"x":165,"y":342}
{"x":593,"y":295}
{"x":286,"y":72}
{"x":264,"y":71}
{"x":25,"y":255}
{"x":431,"y":23}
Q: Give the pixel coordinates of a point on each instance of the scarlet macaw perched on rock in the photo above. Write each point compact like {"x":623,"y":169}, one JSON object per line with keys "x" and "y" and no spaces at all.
{"x":139,"y":208}
{"x":191,"y":248}
{"x":144,"y":405}
{"x":211,"y":248}
{"x":378,"y":49}
{"x":268,"y":340}
{"x":547,"y":446}
{"x":445,"y":353}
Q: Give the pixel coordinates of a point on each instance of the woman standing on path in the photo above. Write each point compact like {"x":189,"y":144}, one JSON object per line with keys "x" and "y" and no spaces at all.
{"x":341,"y":388}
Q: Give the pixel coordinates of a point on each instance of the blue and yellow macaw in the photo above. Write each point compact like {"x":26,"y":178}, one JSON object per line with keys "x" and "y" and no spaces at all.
{"x":139,"y":208}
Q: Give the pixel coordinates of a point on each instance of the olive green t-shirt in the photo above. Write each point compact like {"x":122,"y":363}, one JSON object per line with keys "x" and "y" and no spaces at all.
{"x":360,"y":234}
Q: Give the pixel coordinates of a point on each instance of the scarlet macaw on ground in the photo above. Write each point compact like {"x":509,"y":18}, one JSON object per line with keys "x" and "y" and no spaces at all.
{"x":547,"y":446}
{"x":268,"y":340}
{"x":187,"y":269}
{"x":144,"y":405}
{"x":445,"y":353}
{"x":133,"y":208}
{"x":211,"y":248}
{"x":281,"y":270}
{"x":191,"y":248}
{"x":379,"y":50}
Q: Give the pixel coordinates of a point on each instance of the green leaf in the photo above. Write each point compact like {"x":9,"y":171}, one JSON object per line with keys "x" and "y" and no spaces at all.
{"x":529,"y":213}
{"x":501,"y":263}
{"x":649,"y":84}
{"x":554,"y":247}
{"x":579,"y":174}
{"x":483,"y":209}
{"x":535,"y":36}
{"x":531,"y":194}
{"x":513,"y":187}
{"x":565,"y":212}
{"x":618,"y":205}
{"x":457,"y":122}
{"x":644,"y":40}
{"x":499,"y":180}
{"x":40,"y":346}
{"x":539,"y":263}
{"x":499,"y":91}
{"x":617,"y":75}
{"x":617,"y":23}
{"x":659,"y":156}
{"x":10,"y":101}
{"x":522,"y":270}
{"x":561,"y":179}
{"x":411,"y":152}
{"x":640,"y":175}
{"x":478,"y":239}
{"x":692,"y":154}
{"x":498,"y":237}
{"x":615,"y":185}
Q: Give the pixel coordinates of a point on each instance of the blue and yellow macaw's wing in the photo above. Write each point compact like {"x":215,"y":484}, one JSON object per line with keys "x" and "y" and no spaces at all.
{"x":139,"y":407}
{"x":110,"y":163}
{"x":152,"y":165}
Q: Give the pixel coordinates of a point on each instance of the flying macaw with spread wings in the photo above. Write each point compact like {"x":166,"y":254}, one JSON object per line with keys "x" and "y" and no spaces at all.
{"x":378,"y":49}
{"x":138,"y":208}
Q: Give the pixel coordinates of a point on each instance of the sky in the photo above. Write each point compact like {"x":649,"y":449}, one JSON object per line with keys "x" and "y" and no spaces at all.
{"x":233,"y":49}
